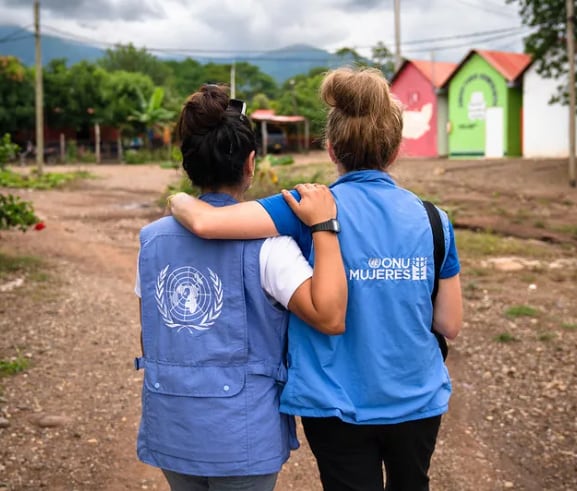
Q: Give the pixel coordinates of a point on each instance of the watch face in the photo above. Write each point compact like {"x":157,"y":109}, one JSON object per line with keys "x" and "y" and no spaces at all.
{"x":335,"y":225}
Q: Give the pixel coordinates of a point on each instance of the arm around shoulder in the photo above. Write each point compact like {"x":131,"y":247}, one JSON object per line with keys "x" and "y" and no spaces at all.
{"x":248,"y":220}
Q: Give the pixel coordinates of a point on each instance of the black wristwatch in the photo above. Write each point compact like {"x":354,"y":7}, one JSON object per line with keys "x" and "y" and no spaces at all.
{"x":331,"y":225}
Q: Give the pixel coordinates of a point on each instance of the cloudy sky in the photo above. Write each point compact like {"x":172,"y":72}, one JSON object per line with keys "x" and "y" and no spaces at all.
{"x":447,"y":28}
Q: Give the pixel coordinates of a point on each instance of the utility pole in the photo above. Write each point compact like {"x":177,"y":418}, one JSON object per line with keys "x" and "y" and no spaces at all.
{"x":397,"y":34}
{"x":233,"y":80}
{"x":571,"y":88}
{"x":39,"y":91}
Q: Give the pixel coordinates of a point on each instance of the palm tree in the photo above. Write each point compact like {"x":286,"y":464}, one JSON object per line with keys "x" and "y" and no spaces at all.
{"x":151,"y":114}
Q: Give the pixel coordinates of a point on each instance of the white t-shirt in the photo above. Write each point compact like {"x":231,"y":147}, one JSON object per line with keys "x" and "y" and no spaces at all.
{"x":283,"y":268}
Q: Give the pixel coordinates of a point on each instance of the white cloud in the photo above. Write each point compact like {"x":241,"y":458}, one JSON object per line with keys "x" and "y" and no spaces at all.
{"x":258,"y":25}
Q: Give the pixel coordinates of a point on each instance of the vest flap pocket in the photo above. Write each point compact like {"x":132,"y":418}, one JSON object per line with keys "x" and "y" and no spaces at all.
{"x":191,"y":381}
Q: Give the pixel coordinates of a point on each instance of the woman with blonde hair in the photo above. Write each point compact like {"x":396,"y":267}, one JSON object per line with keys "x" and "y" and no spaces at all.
{"x":374,"y":395}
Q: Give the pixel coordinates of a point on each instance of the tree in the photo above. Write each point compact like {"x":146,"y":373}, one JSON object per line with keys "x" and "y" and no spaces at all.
{"x":17,"y":96}
{"x":547,"y":42}
{"x":123,"y":94}
{"x":151,"y":114}
{"x":187,"y":76}
{"x":73,"y":96}
{"x":251,"y":81}
{"x":383,"y":59}
{"x":346,"y":54}
{"x":304,"y":94}
{"x":131,"y":59}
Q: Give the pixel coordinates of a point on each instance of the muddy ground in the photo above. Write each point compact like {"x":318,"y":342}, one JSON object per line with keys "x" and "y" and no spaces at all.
{"x":68,"y":422}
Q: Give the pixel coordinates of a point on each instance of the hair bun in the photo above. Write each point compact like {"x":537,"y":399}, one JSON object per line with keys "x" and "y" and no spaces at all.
{"x":203,"y":110}
{"x":355,"y":93}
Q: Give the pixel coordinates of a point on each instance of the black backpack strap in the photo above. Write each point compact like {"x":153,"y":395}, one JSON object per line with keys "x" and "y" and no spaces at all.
{"x":439,"y":255}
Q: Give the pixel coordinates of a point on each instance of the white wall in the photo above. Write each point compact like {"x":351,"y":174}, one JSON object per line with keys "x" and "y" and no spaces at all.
{"x":545,"y":126}
{"x":442,"y":120}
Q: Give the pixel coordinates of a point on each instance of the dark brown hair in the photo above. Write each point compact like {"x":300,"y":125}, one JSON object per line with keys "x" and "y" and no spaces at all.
{"x":215,"y":138}
{"x":364,"y":124}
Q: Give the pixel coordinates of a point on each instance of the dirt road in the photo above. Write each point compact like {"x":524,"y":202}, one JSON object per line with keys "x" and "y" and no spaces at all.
{"x":69,"y":421}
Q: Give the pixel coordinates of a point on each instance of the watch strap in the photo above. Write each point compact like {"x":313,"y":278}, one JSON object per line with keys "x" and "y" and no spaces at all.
{"x":331,"y":225}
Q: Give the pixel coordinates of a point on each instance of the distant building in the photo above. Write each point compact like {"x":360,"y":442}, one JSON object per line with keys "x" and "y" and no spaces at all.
{"x":545,"y":126}
{"x":271,"y":134}
{"x":485,"y":104}
{"x":417,"y":84}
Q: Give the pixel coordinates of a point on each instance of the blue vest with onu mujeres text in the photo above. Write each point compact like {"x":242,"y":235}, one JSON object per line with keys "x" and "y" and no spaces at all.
{"x":387,"y":367}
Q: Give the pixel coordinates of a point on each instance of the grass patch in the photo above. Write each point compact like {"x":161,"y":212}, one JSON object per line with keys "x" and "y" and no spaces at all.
{"x":48,"y":180}
{"x":505,"y":337}
{"x":15,"y":264}
{"x":484,"y":244}
{"x":566,"y":229}
{"x":569,"y":326}
{"x":12,"y":367}
{"x":521,"y":311}
{"x":546,"y":336}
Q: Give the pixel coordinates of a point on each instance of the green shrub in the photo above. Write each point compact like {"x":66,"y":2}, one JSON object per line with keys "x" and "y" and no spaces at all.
{"x":48,"y":180}
{"x":521,"y":311}
{"x":16,"y":213}
{"x":8,"y":150}
{"x":12,"y":367}
{"x":505,"y":337}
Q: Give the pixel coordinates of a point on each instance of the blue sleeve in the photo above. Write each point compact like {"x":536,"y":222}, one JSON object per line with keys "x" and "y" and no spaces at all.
{"x":451,"y":266}
{"x":286,"y":222}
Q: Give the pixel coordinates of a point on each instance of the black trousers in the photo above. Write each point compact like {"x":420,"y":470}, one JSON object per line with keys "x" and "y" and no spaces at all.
{"x":351,"y":457}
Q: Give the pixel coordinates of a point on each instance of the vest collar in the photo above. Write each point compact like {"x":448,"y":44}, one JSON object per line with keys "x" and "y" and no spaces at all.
{"x":369,"y":175}
{"x":218,"y":199}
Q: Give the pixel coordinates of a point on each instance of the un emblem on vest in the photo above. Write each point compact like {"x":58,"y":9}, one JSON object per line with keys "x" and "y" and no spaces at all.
{"x":186,"y":299}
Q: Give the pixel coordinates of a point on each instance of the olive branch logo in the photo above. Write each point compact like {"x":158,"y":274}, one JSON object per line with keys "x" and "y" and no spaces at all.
{"x":208,"y":319}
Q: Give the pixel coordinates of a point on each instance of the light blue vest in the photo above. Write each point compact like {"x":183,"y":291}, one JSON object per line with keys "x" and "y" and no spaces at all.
{"x":387,"y":367}
{"x":213,"y":356}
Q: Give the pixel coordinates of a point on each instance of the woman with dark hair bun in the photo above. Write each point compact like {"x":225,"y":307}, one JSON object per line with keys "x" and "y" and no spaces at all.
{"x":374,"y":396}
{"x":214,"y":317}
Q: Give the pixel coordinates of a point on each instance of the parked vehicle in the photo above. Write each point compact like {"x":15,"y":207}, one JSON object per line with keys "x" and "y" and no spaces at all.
{"x":277,"y":140}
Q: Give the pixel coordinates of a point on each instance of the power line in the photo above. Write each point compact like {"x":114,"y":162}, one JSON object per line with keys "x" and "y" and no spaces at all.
{"x":468,"y":44}
{"x":463,"y":36}
{"x":232,"y":53}
{"x":484,"y":7}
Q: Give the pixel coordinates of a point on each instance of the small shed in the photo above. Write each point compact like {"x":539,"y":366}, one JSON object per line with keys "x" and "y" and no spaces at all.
{"x":485,"y":104}
{"x":265,"y":116}
{"x":545,"y":126}
{"x":418,"y":85}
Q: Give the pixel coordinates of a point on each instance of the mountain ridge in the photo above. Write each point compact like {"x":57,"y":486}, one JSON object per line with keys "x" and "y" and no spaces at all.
{"x":281,"y":64}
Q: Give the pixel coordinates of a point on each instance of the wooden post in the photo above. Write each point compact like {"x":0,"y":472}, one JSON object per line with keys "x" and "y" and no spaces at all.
{"x":97,"y":142}
{"x":264,"y":134}
{"x":119,"y":147}
{"x":571,"y":88}
{"x":39,"y":98}
{"x":62,"y":148}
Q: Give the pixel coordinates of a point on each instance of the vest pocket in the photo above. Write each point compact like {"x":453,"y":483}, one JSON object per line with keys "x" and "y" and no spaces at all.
{"x":196,"y":413}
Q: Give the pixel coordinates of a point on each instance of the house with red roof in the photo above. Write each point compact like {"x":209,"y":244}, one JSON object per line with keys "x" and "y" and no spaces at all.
{"x":485,"y":104}
{"x":418,"y":85}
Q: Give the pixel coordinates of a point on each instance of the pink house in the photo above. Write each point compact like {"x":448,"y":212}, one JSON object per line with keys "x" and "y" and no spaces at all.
{"x":418,"y":85}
